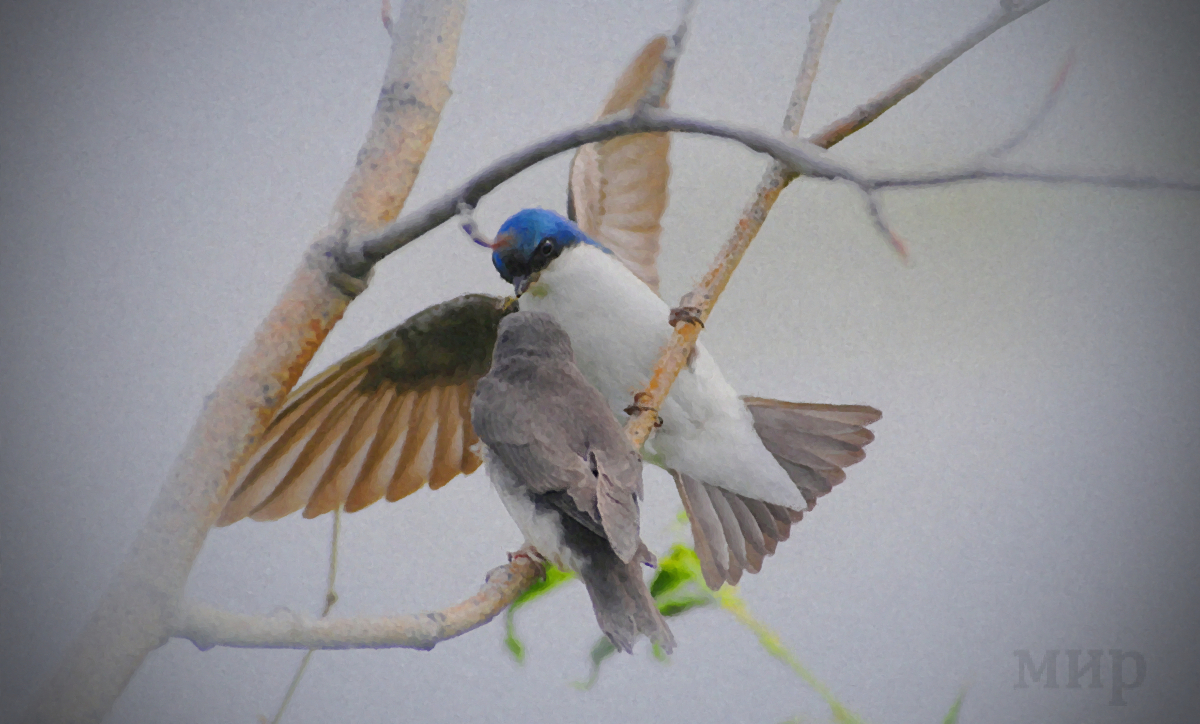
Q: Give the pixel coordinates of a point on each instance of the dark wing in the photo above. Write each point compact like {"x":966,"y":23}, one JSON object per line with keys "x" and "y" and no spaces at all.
{"x":383,"y":421}
{"x":618,"y":189}
{"x":555,"y":434}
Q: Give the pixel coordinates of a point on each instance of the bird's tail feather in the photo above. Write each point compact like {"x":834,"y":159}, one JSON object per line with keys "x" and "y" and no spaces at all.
{"x":622,"y":601}
{"x":812,"y":442}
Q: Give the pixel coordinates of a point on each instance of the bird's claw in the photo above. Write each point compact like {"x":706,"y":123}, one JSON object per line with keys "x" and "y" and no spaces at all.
{"x":685,"y":314}
{"x":528,"y":553}
{"x":637,"y":408}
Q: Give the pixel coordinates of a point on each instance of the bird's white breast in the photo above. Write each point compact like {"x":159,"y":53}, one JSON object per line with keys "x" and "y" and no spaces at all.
{"x":542,"y":528}
{"x":618,"y":326}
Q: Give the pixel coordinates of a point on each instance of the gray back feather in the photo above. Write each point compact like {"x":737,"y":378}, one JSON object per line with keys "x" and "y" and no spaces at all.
{"x":544,"y":420}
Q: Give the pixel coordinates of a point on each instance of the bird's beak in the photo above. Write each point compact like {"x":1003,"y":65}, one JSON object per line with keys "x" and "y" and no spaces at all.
{"x":521,"y":283}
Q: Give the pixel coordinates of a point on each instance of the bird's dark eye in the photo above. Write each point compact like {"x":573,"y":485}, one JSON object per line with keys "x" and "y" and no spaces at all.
{"x":546,"y":248}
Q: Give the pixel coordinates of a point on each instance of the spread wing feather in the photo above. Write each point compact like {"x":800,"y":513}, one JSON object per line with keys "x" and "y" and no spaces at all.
{"x":618,"y":189}
{"x":386,"y":420}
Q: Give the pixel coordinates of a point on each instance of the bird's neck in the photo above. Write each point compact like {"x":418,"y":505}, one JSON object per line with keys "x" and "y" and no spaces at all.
{"x":583,"y":263}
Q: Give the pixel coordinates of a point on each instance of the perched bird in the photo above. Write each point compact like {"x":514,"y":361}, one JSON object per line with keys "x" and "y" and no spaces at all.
{"x":395,"y":415}
{"x":743,"y":467}
{"x":566,"y":473}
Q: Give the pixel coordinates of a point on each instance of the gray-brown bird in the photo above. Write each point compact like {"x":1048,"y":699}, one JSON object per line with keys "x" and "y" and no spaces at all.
{"x":566,"y":473}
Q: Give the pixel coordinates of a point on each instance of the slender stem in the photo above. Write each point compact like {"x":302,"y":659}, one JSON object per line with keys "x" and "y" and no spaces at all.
{"x":331,"y":598}
{"x":861,"y":116}
{"x":701,"y":300}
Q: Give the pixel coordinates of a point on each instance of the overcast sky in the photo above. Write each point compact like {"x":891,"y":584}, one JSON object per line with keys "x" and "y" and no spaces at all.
{"x":1033,"y":485}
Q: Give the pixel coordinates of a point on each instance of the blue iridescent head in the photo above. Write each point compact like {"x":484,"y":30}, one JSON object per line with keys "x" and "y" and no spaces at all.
{"x":530,"y":240}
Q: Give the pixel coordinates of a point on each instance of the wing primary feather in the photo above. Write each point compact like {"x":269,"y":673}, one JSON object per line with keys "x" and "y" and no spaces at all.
{"x":372,"y":481}
{"x":284,"y":431}
{"x":334,"y":486}
{"x":470,"y":460}
{"x":267,"y":474}
{"x":313,"y":462}
{"x":412,"y":470}
{"x":448,"y":451}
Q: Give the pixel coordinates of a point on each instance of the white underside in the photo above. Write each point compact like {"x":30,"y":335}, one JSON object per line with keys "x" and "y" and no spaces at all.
{"x":542,"y":529}
{"x":618,"y":326}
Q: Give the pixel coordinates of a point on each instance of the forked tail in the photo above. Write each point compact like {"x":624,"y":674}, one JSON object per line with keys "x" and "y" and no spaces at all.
{"x":812,"y":443}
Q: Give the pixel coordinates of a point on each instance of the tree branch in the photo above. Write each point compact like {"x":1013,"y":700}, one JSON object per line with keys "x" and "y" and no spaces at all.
{"x":1035,"y":120}
{"x":331,"y":596}
{"x":356,"y":257}
{"x":664,"y":74}
{"x":701,"y":300}
{"x":860,"y":117}
{"x":206,"y":626}
{"x":133,"y":615}
{"x":971,"y":174}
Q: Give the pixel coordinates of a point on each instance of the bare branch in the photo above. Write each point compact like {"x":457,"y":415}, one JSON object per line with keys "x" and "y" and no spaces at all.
{"x":466,"y":215}
{"x":673,"y":358}
{"x":356,"y":257}
{"x":1039,"y":116}
{"x":819,"y":23}
{"x":882,"y":225}
{"x":665,"y":73}
{"x":968,"y":175}
{"x":206,"y":626}
{"x":133,"y":615}
{"x":860,"y":117}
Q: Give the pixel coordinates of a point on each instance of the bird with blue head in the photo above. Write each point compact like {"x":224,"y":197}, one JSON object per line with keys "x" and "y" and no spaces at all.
{"x":395,"y":415}
{"x":531,"y":239}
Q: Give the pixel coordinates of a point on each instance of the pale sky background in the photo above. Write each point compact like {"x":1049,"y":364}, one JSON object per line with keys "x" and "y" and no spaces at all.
{"x":1034,"y":480}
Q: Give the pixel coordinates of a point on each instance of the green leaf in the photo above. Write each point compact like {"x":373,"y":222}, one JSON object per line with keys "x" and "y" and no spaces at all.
{"x":678,"y":606}
{"x":770,"y":641}
{"x":678,"y":567}
{"x":601,"y":650}
{"x":553,"y":578}
{"x":956,"y":708}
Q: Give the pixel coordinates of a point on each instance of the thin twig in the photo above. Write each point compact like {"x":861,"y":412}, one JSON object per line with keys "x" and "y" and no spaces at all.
{"x":875,"y":211}
{"x":969,"y":175}
{"x":357,"y":256}
{"x":665,"y":72}
{"x":1039,"y":116}
{"x":206,"y":626}
{"x":675,"y":355}
{"x":466,"y":219}
{"x":331,"y":598}
{"x":868,"y":112}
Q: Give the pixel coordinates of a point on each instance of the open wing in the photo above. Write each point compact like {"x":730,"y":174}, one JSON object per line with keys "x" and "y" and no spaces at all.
{"x":385,"y":420}
{"x":618,"y":189}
